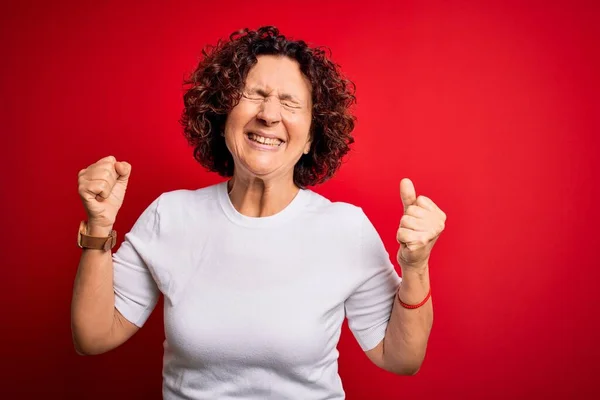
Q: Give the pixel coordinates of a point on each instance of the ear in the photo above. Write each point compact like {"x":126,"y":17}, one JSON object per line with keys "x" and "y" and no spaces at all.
{"x":307,"y":147}
{"x":309,"y":140}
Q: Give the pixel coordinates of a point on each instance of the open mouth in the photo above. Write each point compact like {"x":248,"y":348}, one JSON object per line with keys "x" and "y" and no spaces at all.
{"x":265,"y":141}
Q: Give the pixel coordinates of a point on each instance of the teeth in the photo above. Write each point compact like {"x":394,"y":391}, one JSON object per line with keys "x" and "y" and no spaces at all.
{"x":264,"y":140}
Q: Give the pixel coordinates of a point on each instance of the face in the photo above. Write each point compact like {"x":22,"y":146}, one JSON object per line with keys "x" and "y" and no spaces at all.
{"x":268,"y":131}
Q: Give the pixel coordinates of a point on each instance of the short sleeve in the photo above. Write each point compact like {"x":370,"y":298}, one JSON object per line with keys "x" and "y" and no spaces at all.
{"x":136,"y":292}
{"x":369,"y":307}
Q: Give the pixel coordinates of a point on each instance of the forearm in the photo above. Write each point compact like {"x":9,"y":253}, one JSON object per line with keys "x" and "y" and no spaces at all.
{"x":408,"y":330}
{"x":92,"y":307}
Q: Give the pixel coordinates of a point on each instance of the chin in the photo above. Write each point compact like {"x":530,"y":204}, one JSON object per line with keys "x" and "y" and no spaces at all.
{"x":261,"y":169}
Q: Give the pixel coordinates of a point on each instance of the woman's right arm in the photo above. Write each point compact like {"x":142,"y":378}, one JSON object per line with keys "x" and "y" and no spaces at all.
{"x":97,"y":326}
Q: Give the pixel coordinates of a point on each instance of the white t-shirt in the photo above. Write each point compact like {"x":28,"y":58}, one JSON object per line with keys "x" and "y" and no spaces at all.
{"x":253,"y":307}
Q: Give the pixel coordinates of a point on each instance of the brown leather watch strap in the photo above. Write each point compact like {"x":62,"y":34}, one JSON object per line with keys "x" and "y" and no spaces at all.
{"x":85,"y":241}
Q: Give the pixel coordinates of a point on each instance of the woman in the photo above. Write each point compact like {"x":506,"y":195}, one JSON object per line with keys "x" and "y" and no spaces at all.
{"x":257,"y":272}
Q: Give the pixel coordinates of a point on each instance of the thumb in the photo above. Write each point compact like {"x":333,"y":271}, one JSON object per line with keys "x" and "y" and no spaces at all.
{"x":123,"y":169}
{"x":407,"y":192}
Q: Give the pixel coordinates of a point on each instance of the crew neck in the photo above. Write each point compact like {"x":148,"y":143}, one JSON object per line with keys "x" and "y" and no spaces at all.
{"x":289,"y":212}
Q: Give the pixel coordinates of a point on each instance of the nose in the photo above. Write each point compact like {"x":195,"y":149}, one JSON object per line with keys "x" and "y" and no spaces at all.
{"x":270,"y":112}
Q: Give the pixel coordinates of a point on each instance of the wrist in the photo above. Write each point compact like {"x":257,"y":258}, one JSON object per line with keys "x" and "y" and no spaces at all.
{"x":415,"y":284}
{"x":97,"y":237}
{"x":415,"y":271}
{"x":98,"y":230}
{"x":413,"y":296}
{"x":412,"y":299}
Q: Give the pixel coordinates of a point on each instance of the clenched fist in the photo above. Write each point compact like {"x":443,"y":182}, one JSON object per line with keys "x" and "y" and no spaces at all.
{"x":420,"y":226}
{"x":102,"y":188}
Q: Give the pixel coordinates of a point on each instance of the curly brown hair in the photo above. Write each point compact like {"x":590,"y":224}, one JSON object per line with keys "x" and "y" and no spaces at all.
{"x":214,"y":88}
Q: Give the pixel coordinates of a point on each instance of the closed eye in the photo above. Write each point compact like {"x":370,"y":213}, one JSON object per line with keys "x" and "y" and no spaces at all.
{"x":251,"y":97}
{"x":290,"y":105}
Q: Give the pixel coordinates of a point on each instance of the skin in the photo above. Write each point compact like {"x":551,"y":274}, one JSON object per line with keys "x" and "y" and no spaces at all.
{"x":96,"y":325}
{"x":403,"y":348}
{"x":276,"y":102}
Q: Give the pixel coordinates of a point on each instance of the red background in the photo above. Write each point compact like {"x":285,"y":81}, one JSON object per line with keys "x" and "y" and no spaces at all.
{"x":490,"y":108}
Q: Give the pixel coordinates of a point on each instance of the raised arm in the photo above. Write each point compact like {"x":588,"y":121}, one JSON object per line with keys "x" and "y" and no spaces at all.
{"x":403,"y":349}
{"x":96,"y":325}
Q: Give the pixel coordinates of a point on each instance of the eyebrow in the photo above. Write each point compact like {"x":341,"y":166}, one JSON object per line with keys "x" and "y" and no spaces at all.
{"x":282,"y":96}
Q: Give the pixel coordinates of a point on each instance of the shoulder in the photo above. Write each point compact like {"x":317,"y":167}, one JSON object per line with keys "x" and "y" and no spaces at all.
{"x":175,"y":209}
{"x":176,"y":199}
{"x":343,"y":214}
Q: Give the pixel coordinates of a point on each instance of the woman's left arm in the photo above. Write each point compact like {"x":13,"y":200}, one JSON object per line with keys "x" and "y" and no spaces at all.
{"x":403,"y":348}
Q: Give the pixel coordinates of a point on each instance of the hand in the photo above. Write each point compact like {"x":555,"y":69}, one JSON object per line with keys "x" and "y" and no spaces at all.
{"x":102,"y":188}
{"x":420,"y":227}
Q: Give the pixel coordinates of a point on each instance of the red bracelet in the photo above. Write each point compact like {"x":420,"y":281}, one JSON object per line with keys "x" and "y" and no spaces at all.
{"x":413,"y":306}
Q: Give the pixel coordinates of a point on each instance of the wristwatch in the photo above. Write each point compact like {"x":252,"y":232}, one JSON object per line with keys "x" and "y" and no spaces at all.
{"x":85,"y":241}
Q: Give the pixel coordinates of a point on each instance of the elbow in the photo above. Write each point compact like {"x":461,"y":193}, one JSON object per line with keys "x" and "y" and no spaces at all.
{"x":404,"y":369}
{"x":78,"y":350}
{"x":88,"y":347}
{"x":406,"y":363}
{"x":82,"y":350}
{"x":88,"y":342}
{"x":87,"y":350}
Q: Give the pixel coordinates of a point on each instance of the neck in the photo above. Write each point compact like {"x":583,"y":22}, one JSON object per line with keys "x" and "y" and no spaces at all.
{"x":255,"y":197}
